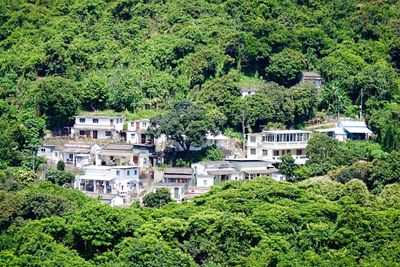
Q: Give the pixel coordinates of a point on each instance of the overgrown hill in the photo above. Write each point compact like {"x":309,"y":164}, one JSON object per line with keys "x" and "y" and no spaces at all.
{"x":254,"y":223}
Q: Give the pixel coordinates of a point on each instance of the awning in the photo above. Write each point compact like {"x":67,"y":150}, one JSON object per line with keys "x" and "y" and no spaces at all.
{"x":96,"y":178}
{"x":222,"y":172}
{"x":177,"y":176}
{"x":115,"y":153}
{"x":363,"y":130}
{"x":264,"y":171}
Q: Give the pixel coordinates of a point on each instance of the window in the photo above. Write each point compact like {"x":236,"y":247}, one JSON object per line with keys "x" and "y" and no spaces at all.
{"x":117,"y":173}
{"x":128,"y":173}
{"x":43,"y":149}
{"x":299,"y":152}
{"x":81,"y":133}
{"x":133,"y":136}
{"x":95,"y":120}
{"x":276,"y":153}
{"x":253,"y":151}
{"x":82,"y":120}
{"x":204,"y":182}
{"x":135,"y":172}
{"x":132,"y":124}
{"x":265,"y":152}
{"x":252,"y":139}
{"x":264,"y":138}
{"x":108,"y":134}
{"x":144,"y":125}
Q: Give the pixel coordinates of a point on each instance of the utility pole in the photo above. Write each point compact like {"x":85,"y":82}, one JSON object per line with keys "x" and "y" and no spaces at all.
{"x":361,"y":102}
{"x":243,"y":132}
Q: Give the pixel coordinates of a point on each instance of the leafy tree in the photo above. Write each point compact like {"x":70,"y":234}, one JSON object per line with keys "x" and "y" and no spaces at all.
{"x":60,"y":165}
{"x":59,"y":177}
{"x":287,"y":166}
{"x":159,"y":198}
{"x":55,"y":98}
{"x":285,"y":67}
{"x":213,"y":154}
{"x":186,"y":124}
{"x":94,"y":93}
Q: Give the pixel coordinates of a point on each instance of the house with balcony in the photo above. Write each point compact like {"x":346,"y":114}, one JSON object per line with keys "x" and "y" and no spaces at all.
{"x":272,"y":145}
{"x":208,"y":173}
{"x":136,"y":132}
{"x":176,"y":180}
{"x":253,"y":168}
{"x":115,"y":180}
{"x":115,"y":155}
{"x":80,"y":154}
{"x":98,"y":127}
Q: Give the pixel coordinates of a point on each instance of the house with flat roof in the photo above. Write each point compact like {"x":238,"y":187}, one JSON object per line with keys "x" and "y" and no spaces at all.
{"x":312,"y":77}
{"x":136,"y":132}
{"x":252,"y":168}
{"x":80,"y":154}
{"x":272,"y":145}
{"x":176,"y":180}
{"x":208,"y":173}
{"x":97,"y":127}
{"x":246,"y":91}
{"x":51,"y":152}
{"x":355,"y":130}
{"x":348,"y":130}
{"x":115,"y":180}
{"x":115,"y":154}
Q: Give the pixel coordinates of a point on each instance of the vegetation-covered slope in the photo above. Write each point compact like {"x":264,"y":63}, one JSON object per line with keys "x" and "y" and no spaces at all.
{"x":60,"y":56}
{"x":255,"y":223}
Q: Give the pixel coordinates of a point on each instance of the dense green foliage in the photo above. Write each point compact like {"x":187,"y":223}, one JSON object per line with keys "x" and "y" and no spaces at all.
{"x":254,"y":223}
{"x":188,"y":60}
{"x":62,"y":56}
{"x":158,"y":199}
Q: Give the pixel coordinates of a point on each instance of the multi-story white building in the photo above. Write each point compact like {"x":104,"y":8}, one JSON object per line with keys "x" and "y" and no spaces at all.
{"x":136,"y":132}
{"x":118,"y":180}
{"x":272,"y":145}
{"x":97,"y":127}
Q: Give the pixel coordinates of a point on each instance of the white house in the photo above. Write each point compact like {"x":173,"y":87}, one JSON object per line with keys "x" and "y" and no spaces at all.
{"x":176,"y":180}
{"x":115,"y":154}
{"x":208,"y":173}
{"x":246,"y":91}
{"x":252,"y":168}
{"x":177,"y":189}
{"x":136,"y":132}
{"x":271,"y":145}
{"x":355,"y":130}
{"x":51,"y":152}
{"x":80,"y":154}
{"x":336,"y":132}
{"x":116,"y":180}
{"x":348,"y":129}
{"x":97,"y":127}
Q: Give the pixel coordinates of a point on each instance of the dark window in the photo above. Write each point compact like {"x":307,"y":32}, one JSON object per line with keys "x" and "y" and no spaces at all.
{"x":252,"y":139}
{"x":108,"y":133}
{"x":265,"y":152}
{"x":82,"y":120}
{"x":253,"y":151}
{"x":299,"y":152}
{"x":95,"y":120}
{"x":276,"y":153}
